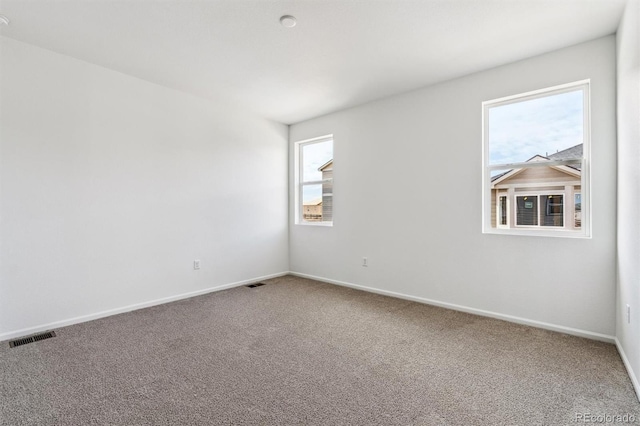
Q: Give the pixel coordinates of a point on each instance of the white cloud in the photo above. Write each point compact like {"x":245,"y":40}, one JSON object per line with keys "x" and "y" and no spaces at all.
{"x":314,"y":156}
{"x":542,"y":126}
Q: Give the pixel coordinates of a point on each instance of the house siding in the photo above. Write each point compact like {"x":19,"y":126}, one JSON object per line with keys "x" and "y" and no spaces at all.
{"x":327,"y":195}
{"x":539,"y":174}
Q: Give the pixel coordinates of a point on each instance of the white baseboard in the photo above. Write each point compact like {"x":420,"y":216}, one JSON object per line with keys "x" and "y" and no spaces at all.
{"x":510,"y":318}
{"x":627,"y":365}
{"x":84,"y":318}
{"x":481,"y":312}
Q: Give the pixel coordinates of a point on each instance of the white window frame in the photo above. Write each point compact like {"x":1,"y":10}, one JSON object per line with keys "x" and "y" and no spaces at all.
{"x":585,"y":184}
{"x":300,"y":183}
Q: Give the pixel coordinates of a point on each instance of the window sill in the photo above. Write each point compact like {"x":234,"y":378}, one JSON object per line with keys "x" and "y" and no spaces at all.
{"x":315,"y":223}
{"x":561,"y":233}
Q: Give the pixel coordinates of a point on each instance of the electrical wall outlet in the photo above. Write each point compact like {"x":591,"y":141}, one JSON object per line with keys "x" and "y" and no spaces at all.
{"x":196,"y":264}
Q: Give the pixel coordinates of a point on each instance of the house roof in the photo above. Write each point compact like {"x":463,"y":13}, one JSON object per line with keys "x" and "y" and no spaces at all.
{"x":325,"y":165}
{"x":569,"y":153}
{"x":566,"y":154}
{"x":496,"y":177}
{"x":313,"y":202}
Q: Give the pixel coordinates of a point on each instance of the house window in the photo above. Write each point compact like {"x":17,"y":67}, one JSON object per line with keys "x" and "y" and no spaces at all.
{"x":540,"y":210}
{"x":577,"y":212}
{"x":527,"y":208}
{"x":503,"y":218}
{"x":314,"y":181}
{"x":536,"y":159}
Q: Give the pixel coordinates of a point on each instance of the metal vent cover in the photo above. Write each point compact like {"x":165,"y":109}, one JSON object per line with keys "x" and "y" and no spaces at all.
{"x":255,"y":285}
{"x":30,"y":339}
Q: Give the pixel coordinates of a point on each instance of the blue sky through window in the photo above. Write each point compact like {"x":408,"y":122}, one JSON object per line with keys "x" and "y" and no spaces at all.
{"x":542,"y":126}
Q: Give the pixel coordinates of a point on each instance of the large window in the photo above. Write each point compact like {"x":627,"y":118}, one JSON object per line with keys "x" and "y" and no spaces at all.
{"x":314,"y":181}
{"x":536,"y":159}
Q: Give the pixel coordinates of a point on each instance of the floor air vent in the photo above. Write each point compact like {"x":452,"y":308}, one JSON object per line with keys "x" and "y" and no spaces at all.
{"x":255,"y":285}
{"x":35,"y":338}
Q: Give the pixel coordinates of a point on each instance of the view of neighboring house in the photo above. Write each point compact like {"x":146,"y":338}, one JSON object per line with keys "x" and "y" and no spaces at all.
{"x":539,"y":196}
{"x":321,"y":209}
{"x":312,"y":210}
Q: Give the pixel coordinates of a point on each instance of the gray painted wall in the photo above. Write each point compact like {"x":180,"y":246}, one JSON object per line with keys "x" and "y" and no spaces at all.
{"x":111,"y":186}
{"x":629,"y":187}
{"x":417,"y":157}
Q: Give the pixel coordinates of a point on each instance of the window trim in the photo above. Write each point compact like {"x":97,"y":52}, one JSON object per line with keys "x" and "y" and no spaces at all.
{"x":300,"y":183}
{"x":585,"y":182}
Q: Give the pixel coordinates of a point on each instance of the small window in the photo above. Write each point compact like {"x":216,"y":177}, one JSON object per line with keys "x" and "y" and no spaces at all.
{"x":577,"y":212}
{"x":554,"y":206}
{"x":536,"y":158}
{"x":503,"y":211}
{"x":314,"y":181}
{"x":527,"y":207}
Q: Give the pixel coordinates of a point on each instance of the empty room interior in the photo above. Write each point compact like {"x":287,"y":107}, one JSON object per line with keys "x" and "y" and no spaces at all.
{"x":176,"y":246}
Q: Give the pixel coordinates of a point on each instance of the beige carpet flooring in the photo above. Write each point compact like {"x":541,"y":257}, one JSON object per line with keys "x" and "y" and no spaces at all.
{"x":299,"y":352}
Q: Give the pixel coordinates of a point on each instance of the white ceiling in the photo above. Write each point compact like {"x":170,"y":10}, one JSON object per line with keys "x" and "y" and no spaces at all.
{"x":342,"y":52}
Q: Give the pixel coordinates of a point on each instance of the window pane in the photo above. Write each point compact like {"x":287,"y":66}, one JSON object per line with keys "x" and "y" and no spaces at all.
{"x":317,"y":204}
{"x":536,"y":157}
{"x":527,"y":210}
{"x":548,"y":127}
{"x":314,"y":156}
{"x":552,"y":210}
{"x":312,"y":203}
